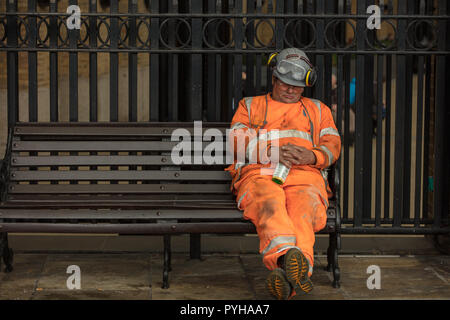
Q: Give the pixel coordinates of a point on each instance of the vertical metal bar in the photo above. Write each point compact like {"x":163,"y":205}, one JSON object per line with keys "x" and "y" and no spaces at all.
{"x":387,"y":146}
{"x":53,"y":32}
{"x":32,"y":64}
{"x":218,"y":76}
{"x":154,"y":63}
{"x":347,"y":137}
{"x":12,"y":68}
{"x":368,"y":116}
{"x":73,"y":71}
{"x":426,"y":137}
{"x":172,"y":65}
{"x":258,"y":73}
{"x":358,"y":211}
{"x":279,"y":26}
{"x":276,"y":35}
{"x":327,"y":60}
{"x":114,"y":65}
{"x":93,"y":32}
{"x":93,"y":97}
{"x":249,"y":89}
{"x":327,"y":78}
{"x":289,"y":36}
{"x":132,"y":71}
{"x":210,"y":84}
{"x":408,"y":127}
{"x":238,"y":40}
{"x":419,"y":139}
{"x":228,"y":66}
{"x":73,"y":79}
{"x":387,"y":143}
{"x":439,"y":119}
{"x":339,"y":108}
{"x":380,"y":67}
{"x":446,"y":155}
{"x":114,"y":71}
{"x":32,"y":70}
{"x":196,"y":105}
{"x":400,"y":109}
{"x":320,"y":59}
{"x":132,"y":63}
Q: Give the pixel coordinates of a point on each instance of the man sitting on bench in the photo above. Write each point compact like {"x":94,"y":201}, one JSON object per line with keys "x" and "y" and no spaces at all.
{"x":286,"y":210}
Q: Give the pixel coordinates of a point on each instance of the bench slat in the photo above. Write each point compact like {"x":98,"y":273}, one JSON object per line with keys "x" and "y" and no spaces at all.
{"x":106,"y":129}
{"x":25,"y":161}
{"x":138,"y":205}
{"x":114,"y":198}
{"x":100,"y":145}
{"x":119,"y":188}
{"x":120,"y":214}
{"x":127,"y":175}
{"x":137,"y":228}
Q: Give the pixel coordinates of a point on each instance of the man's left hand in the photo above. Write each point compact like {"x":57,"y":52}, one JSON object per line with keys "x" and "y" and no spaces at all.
{"x":298,"y":155}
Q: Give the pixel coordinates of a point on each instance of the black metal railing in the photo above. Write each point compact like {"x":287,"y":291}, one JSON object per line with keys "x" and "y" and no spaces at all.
{"x":204,"y":56}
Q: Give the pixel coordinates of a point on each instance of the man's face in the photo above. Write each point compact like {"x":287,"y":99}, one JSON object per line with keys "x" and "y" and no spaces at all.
{"x":285,"y":93}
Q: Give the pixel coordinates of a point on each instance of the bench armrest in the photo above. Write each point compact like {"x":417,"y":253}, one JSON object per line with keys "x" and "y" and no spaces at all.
{"x":334,"y":183}
{"x":2,"y":179}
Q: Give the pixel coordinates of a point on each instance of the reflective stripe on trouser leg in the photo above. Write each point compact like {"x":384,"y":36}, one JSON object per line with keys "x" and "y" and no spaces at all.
{"x":308,"y":212}
{"x":275,"y":248}
{"x":265,"y":206}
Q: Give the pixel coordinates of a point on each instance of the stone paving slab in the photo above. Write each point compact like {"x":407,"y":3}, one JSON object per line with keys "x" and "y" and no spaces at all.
{"x":21,"y":283}
{"x":133,"y":276}
{"x":98,"y":272}
{"x":214,"y":277}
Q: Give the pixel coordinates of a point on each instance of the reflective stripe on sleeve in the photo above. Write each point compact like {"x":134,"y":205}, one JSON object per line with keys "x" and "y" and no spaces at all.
{"x":329,"y":154}
{"x":248,"y":103}
{"x":275,"y":135}
{"x":317,"y":103}
{"x":238,"y":125}
{"x":329,"y":131}
{"x":240,"y":200}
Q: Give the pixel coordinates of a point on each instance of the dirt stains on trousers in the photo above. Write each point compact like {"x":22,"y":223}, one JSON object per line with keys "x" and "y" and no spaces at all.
{"x":285,"y":216}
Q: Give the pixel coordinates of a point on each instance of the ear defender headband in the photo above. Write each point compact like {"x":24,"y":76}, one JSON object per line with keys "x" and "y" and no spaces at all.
{"x":311,"y":74}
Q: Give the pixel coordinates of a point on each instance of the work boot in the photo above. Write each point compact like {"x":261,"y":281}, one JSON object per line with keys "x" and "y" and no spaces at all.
{"x":296,"y":267}
{"x":278,"y":284}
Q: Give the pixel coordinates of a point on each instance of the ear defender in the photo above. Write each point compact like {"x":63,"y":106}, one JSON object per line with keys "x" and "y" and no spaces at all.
{"x":272,"y":61}
{"x":311,"y":77}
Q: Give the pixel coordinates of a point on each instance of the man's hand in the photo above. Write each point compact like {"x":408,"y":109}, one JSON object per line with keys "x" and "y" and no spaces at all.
{"x":295,"y":155}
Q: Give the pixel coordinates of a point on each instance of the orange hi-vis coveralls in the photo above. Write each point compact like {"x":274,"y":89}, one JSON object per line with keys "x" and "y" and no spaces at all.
{"x":286,"y":215}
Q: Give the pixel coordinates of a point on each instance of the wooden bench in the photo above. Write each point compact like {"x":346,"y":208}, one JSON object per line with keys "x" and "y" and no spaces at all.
{"x":120,"y":178}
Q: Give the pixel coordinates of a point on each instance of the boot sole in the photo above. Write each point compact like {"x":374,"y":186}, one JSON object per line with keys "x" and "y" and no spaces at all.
{"x":278,"y":284}
{"x":297,"y":267}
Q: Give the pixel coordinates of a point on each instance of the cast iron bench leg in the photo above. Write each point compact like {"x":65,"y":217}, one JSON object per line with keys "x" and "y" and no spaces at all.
{"x":329,"y":254}
{"x":195,"y":246}
{"x":336,"y":270}
{"x":332,"y":258}
{"x":167,"y":262}
{"x":6,"y":252}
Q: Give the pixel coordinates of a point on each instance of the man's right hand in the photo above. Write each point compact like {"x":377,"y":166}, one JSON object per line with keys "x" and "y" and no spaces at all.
{"x":283,"y":157}
{"x":290,"y":155}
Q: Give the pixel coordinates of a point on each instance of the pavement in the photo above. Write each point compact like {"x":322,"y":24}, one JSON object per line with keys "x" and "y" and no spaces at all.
{"x":138,"y":276}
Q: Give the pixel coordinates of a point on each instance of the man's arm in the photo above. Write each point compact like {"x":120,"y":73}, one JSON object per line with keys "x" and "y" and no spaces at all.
{"x":329,"y":147}
{"x":327,"y":151}
{"x":241,"y":134}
